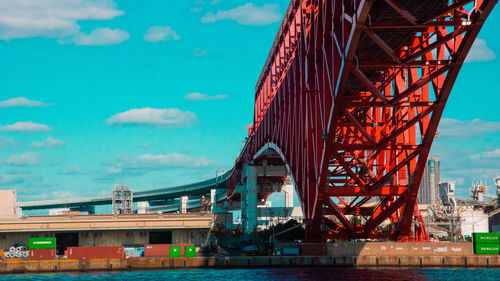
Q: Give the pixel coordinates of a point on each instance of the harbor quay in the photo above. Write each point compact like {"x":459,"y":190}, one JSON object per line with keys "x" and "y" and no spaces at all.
{"x":344,"y":254}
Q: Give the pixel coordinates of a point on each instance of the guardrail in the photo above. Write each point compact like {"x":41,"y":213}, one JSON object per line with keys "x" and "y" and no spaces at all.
{"x":198,"y":188}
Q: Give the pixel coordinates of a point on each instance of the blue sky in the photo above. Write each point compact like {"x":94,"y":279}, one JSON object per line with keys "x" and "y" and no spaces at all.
{"x":159,"y":93}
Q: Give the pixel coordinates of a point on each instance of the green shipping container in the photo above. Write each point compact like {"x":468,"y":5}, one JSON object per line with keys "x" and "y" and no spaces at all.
{"x":486,"y":238}
{"x":190,"y":251}
{"x":486,"y":249}
{"x":175,"y":252}
{"x":42,"y":243}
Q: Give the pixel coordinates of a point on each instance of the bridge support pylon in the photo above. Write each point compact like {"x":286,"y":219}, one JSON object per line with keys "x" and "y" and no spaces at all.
{"x":249,"y":199}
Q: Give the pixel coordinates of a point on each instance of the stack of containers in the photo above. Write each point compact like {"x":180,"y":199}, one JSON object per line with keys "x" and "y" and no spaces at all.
{"x":42,"y":248}
{"x":169,"y":250}
{"x":486,"y":243}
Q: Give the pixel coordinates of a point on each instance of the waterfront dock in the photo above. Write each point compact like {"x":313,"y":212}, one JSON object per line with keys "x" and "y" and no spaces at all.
{"x":13,"y":266}
{"x":343,"y":254}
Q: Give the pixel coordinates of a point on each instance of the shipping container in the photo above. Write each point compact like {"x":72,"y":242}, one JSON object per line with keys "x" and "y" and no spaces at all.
{"x":101,"y":252}
{"x":163,"y":250}
{"x":487,"y":249}
{"x":156,"y":250}
{"x":132,"y":252}
{"x":290,"y":251}
{"x":486,"y":238}
{"x":175,"y":252}
{"x":190,"y":251}
{"x":42,"y":243}
{"x":313,"y":249}
{"x":42,"y":254}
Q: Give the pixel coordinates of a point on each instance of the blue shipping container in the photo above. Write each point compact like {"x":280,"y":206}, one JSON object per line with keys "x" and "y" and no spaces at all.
{"x":291,"y":251}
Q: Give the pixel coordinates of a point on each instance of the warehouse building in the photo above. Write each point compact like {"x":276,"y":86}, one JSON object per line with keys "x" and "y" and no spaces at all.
{"x":129,"y":230}
{"x":108,"y":230}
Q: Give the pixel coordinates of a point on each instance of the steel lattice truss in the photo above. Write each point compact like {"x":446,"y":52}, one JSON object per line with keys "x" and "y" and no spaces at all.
{"x":351,"y":96}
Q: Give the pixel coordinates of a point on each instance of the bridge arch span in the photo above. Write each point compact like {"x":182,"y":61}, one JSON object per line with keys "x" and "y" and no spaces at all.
{"x":351,"y":95}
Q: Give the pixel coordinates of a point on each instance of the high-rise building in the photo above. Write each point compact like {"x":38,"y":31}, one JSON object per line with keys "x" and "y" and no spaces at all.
{"x":428,"y":192}
{"x":447,"y":192}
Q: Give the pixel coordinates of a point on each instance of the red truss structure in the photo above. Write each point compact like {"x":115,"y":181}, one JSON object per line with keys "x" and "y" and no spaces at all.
{"x":350,"y":97}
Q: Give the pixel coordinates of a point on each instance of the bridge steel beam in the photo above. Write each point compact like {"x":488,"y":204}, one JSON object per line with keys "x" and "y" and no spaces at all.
{"x":351,"y":95}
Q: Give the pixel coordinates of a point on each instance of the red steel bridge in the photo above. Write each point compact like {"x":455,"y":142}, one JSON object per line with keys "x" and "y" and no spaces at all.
{"x":350,"y":99}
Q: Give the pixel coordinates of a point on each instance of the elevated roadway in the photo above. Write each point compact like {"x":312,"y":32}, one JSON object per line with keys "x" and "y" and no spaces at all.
{"x":165,"y":195}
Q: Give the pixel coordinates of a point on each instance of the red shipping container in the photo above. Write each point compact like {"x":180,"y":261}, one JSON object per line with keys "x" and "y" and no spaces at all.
{"x":101,"y":252}
{"x":42,"y":254}
{"x":313,"y":250}
{"x":162,"y":250}
{"x":156,"y":250}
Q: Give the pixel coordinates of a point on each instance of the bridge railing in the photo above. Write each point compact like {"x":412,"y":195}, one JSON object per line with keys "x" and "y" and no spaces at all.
{"x":64,"y":201}
{"x":279,"y":58}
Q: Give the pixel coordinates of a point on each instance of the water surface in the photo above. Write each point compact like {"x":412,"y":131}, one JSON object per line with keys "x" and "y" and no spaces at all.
{"x":304,"y":273}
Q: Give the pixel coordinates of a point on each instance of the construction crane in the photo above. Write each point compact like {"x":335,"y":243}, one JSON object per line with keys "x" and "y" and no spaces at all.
{"x":479,"y":191}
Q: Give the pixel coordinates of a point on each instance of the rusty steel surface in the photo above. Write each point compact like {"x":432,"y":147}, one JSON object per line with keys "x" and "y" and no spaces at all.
{"x":350,"y":98}
{"x":99,"y":252}
{"x":42,"y":254}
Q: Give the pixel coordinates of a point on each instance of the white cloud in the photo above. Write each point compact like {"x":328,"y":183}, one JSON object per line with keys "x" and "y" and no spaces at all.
{"x":487,"y":174}
{"x":25,"y":159}
{"x":21,"y":101}
{"x":73,"y":170}
{"x":202,"y":2}
{"x":475,"y":156}
{"x":124,"y":167}
{"x":463,"y":161}
{"x":198,"y":52}
{"x":196,"y":96}
{"x":467,"y":129}
{"x":101,"y":36}
{"x":49,"y":142}
{"x":492,"y":154}
{"x":50,"y":18}
{"x":198,"y":3}
{"x":7,"y":179}
{"x":160,"y":34}
{"x":113,"y":174}
{"x":6,"y":142}
{"x":247,"y":14}
{"x":480,"y":52}
{"x":164,"y":118}
{"x":25,"y":127}
{"x":162,"y":161}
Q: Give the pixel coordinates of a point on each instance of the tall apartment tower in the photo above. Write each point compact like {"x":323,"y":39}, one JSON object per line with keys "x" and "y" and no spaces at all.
{"x":428,"y":193}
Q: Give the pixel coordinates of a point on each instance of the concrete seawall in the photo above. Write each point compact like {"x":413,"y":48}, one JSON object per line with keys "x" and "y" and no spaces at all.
{"x":248,"y":262}
{"x":347,"y":254}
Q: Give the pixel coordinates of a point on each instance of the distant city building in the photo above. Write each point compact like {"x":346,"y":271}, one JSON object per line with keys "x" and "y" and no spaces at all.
{"x":447,"y":193}
{"x":428,"y":193}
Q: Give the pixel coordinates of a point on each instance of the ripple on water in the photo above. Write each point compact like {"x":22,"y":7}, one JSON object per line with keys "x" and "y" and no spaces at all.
{"x":270,"y":274}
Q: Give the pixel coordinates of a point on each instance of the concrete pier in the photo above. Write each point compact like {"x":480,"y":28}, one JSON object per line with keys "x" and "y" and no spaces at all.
{"x":248,"y":262}
{"x":342,"y":254}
